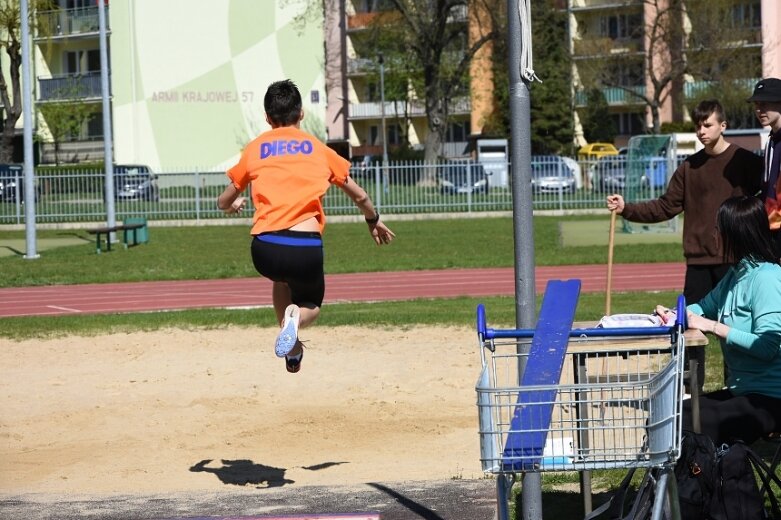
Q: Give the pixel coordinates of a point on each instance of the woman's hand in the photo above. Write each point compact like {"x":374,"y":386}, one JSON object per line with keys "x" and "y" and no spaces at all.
{"x":695,"y":321}
{"x":666,"y":314}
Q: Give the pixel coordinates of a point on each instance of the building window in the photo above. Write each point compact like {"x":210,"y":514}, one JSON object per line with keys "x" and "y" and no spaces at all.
{"x":95,"y":126}
{"x":626,"y":74}
{"x":373,"y":92}
{"x":373,"y":6}
{"x":629,"y":123}
{"x":747,"y":15}
{"x":80,"y":62}
{"x":621,"y":26}
{"x":77,"y":4}
{"x":394,"y":134}
{"x":458,"y":131}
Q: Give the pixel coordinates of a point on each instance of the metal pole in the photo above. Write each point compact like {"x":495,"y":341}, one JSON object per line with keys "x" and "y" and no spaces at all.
{"x":381,"y":59}
{"x":27,"y":110}
{"x":108,"y":160}
{"x":523,"y":225}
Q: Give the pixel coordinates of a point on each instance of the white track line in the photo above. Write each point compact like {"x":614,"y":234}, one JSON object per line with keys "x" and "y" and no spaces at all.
{"x":63,"y":308}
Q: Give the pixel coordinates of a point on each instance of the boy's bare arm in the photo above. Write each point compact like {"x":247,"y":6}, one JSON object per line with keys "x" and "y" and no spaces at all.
{"x":229,"y":200}
{"x":379,"y":231}
{"x":359,"y":196}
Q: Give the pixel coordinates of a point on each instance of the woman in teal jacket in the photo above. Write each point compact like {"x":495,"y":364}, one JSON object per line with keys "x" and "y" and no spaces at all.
{"x":744,"y":312}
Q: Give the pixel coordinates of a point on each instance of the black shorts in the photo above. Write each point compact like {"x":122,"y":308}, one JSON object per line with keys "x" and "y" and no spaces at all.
{"x":293,"y":257}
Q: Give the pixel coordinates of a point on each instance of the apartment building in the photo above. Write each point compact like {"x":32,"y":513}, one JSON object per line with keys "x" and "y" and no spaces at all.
{"x":189,"y":95}
{"x":361,"y":120}
{"x":615,"y":35}
{"x":68,"y":74}
{"x":187,"y":77}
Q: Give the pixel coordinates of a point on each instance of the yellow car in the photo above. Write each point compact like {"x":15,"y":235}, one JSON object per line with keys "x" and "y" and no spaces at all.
{"x":594,"y":151}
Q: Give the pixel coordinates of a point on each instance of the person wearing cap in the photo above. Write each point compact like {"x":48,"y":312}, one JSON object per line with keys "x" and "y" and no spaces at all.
{"x":767,"y":106}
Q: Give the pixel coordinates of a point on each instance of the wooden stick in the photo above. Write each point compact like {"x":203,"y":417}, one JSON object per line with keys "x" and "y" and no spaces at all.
{"x":610,"y":242}
{"x":608,"y":291}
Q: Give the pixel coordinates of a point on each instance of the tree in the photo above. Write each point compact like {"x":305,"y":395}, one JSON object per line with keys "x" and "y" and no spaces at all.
{"x":712,"y":47}
{"x":725,"y":66}
{"x":551,"y":113}
{"x":11,"y":53}
{"x":441,"y":50}
{"x":64,"y":119}
{"x":399,"y":73}
{"x":598,"y":126}
{"x":660,"y":27}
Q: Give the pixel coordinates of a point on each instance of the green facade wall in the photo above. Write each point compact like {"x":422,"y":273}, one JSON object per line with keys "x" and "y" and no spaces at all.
{"x":188,"y":77}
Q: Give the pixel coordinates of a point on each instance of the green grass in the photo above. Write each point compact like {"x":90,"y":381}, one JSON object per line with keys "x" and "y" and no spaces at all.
{"x":223,"y":252}
{"x":500,"y":313}
{"x":192,"y":253}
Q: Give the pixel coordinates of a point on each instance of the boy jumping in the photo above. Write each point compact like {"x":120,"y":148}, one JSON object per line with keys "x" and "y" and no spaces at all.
{"x":289,"y":172}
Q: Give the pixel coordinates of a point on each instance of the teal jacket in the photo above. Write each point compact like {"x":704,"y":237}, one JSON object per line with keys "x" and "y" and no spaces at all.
{"x":748,"y":300}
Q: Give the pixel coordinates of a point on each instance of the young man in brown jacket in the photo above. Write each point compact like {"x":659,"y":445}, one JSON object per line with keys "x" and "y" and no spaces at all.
{"x":698,"y":187}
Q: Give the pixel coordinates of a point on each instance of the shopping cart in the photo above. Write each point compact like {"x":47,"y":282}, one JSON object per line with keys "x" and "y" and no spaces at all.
{"x":580,"y":399}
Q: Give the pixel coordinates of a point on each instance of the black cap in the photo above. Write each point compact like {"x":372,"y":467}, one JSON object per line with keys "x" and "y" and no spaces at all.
{"x":768,"y":89}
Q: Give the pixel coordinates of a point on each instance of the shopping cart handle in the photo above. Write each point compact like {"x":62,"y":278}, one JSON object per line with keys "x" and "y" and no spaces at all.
{"x":593,"y":332}
{"x":680,"y":310}
{"x":481,"y":327}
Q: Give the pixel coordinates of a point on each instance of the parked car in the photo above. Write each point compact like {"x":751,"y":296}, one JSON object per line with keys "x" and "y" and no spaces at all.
{"x":596,"y":150}
{"x":462,"y":177}
{"x":608,"y":175}
{"x":12,"y":183}
{"x":550,"y":174}
{"x":573,"y":165}
{"x":135,"y":182}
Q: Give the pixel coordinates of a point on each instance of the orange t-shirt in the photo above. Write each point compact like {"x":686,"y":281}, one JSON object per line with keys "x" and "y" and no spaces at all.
{"x":290,"y":171}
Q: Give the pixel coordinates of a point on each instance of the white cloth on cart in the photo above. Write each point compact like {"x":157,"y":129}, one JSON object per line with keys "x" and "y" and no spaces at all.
{"x":631,"y":320}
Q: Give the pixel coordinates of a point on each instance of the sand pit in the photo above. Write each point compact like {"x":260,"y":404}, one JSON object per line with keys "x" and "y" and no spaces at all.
{"x":193,"y":410}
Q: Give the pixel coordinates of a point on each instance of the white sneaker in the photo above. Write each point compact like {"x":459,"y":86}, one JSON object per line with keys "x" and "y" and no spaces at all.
{"x":289,"y":334}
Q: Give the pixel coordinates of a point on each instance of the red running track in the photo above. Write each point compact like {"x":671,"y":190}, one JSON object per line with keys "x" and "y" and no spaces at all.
{"x":248,"y":292}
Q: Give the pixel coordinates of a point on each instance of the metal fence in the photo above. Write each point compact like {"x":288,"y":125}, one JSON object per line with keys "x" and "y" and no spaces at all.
{"x":397,"y":189}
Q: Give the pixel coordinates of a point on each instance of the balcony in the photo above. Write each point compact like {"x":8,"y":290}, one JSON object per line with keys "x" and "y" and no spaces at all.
{"x":693,"y":89}
{"x":599,"y":47}
{"x":360,"y":66}
{"x":360,"y":21}
{"x":731,"y":38}
{"x":589,"y":5}
{"x":460,"y":106}
{"x":69,"y":87}
{"x":62,"y":23}
{"x":614,"y":96}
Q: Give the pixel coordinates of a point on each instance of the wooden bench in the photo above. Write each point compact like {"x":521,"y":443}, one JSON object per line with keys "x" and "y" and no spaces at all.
{"x":129,"y":229}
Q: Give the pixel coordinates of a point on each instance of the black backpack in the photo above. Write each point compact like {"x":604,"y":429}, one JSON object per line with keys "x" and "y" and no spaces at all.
{"x":721,"y":483}
{"x":713,"y":484}
{"x":696,"y":474}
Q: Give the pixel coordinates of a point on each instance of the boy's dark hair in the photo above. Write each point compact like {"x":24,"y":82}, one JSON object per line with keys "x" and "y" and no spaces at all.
{"x":704,"y":109}
{"x":744,"y":230}
{"x":283,"y":103}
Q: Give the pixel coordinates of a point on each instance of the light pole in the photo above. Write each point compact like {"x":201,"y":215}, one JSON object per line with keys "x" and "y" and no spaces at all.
{"x":27,"y":110}
{"x":381,"y":61}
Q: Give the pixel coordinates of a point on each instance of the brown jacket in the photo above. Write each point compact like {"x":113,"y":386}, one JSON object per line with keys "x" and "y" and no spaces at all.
{"x":698,"y":187}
